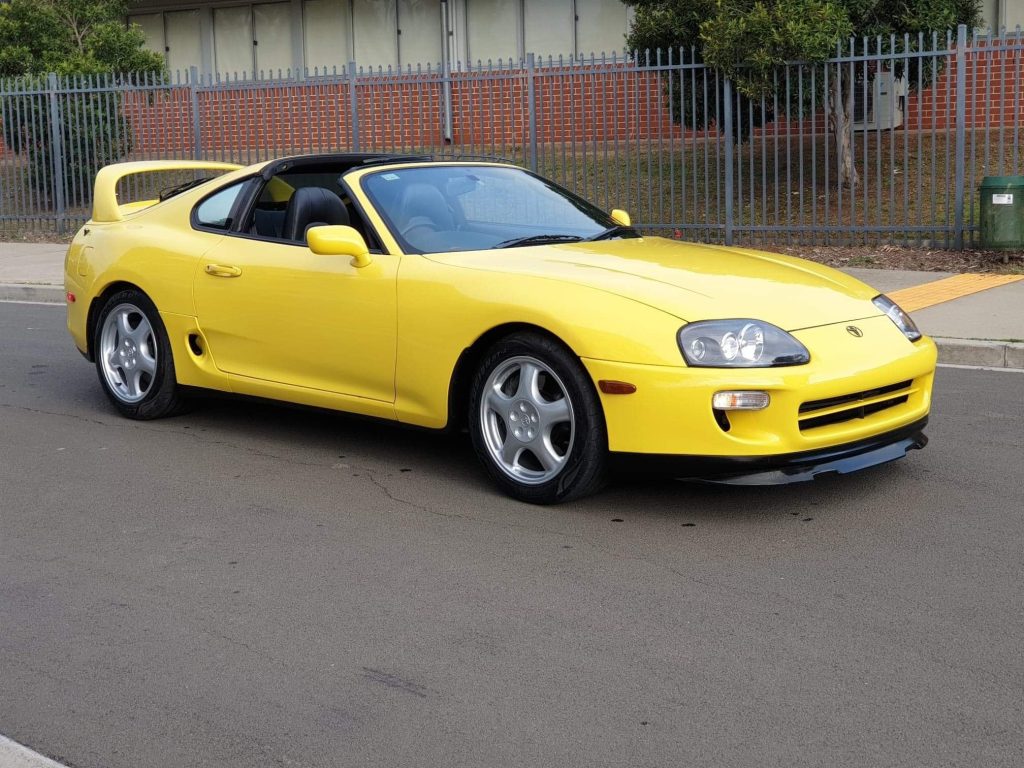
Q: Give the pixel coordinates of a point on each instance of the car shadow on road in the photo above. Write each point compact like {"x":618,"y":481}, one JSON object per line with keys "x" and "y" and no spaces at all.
{"x":415,"y":454}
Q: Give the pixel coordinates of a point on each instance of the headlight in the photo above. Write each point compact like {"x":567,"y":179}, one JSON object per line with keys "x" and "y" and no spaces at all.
{"x":898,"y":316}
{"x":739,"y":344}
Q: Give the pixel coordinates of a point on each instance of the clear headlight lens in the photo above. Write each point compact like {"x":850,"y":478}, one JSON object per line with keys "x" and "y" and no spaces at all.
{"x":898,"y":316}
{"x":741,"y":343}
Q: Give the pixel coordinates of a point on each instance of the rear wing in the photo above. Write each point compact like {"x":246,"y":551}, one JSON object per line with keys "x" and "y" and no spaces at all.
{"x":105,"y":206}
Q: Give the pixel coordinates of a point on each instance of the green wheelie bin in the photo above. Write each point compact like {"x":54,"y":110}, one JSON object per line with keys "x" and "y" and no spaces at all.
{"x":1002,"y":213}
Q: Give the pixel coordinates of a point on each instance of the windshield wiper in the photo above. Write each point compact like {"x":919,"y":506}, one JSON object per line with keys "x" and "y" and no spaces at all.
{"x":179,"y":188}
{"x":618,"y":229}
{"x":538,"y":240}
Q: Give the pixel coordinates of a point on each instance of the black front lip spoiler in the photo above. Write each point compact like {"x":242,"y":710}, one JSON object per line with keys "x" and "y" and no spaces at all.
{"x":783,"y":469}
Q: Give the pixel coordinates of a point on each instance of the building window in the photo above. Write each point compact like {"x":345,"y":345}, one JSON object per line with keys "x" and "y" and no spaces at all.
{"x":548,"y":27}
{"x":253,"y":41}
{"x":272,"y":39}
{"x":184,"y":42}
{"x":175,"y":36}
{"x":233,"y":42}
{"x":327,"y":35}
{"x":504,"y":29}
{"x":601,"y":27}
{"x":152,"y":25}
{"x":491,"y":26}
{"x":375,"y":28}
{"x":419,"y":33}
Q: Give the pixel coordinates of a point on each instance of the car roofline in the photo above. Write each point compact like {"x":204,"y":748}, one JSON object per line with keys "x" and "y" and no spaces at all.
{"x":355,"y":159}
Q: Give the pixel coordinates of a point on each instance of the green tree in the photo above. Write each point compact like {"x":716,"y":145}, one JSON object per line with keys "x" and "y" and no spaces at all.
{"x":71,"y":38}
{"x":749,"y":40}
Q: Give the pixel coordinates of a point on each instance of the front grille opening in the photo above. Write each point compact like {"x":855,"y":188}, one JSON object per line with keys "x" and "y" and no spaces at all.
{"x":852,"y":413}
{"x":832,"y":402}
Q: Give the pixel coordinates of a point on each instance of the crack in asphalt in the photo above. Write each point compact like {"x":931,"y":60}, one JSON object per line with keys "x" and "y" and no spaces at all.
{"x":379,"y":478}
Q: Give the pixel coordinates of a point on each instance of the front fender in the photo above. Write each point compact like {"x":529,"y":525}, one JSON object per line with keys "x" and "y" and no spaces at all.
{"x":443,"y":310}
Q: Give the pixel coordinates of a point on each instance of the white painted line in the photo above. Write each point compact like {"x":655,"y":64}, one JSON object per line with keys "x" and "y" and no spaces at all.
{"x":33,"y":303}
{"x":981,"y":368}
{"x":13,"y":755}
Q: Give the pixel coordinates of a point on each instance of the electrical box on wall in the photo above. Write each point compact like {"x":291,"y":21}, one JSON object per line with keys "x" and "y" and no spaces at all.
{"x":886,"y":97}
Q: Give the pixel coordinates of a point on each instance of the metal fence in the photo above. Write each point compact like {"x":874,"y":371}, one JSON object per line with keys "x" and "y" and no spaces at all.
{"x":657,"y":133}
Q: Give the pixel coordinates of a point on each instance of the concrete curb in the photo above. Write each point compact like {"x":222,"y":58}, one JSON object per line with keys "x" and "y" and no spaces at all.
{"x":51,"y":294}
{"x":991,"y":354}
{"x":14,"y":755}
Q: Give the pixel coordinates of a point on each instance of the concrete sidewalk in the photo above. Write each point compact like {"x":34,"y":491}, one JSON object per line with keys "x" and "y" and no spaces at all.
{"x":984,"y":328}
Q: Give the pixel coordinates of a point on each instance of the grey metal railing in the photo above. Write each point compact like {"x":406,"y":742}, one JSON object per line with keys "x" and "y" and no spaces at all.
{"x":658,"y":133}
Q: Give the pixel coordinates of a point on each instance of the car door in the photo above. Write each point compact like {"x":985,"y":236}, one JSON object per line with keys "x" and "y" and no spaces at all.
{"x":274,"y":311}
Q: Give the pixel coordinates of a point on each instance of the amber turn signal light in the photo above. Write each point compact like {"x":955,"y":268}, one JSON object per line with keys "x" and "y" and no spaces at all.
{"x":611,"y":387}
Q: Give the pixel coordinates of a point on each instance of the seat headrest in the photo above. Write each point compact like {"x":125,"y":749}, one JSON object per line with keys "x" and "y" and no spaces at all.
{"x":425,"y":201}
{"x":311,"y":207}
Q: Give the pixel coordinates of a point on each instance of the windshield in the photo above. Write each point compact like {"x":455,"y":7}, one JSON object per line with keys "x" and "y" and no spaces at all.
{"x":442,"y":208}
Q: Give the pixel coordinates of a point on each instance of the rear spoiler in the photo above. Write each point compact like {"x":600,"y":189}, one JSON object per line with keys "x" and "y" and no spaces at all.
{"x":104,"y":199}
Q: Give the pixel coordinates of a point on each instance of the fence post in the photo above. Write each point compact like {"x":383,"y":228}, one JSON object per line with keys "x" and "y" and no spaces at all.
{"x":197,"y":131}
{"x":727,"y":119}
{"x":961,"y":120}
{"x":56,"y":152}
{"x":531,"y":101}
{"x":353,"y":105}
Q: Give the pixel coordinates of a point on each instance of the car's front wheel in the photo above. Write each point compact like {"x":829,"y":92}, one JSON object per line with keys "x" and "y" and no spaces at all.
{"x":536,"y":421}
{"x":133,"y":358}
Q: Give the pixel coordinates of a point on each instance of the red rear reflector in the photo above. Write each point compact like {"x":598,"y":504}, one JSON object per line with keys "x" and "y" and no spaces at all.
{"x":610,"y":387}
{"x":71,"y":298}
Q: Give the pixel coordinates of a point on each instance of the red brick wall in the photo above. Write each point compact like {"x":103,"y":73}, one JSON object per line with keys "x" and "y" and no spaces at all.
{"x":490,"y":108}
{"x":993,"y":85}
{"x":406,"y":112}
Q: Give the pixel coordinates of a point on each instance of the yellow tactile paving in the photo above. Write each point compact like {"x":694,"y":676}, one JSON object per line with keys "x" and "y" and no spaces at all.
{"x":947,"y":289}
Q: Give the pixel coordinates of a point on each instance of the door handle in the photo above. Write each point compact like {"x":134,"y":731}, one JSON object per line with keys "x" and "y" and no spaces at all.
{"x":222,"y":270}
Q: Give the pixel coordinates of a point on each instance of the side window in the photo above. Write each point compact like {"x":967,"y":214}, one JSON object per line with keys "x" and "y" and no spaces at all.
{"x":215,"y":211}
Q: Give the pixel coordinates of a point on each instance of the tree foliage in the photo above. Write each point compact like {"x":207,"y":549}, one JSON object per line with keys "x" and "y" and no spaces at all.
{"x":70,"y":38}
{"x":750,"y":40}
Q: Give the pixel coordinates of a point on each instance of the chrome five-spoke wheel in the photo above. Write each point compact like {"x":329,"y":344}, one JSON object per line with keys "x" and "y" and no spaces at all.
{"x":536,"y":421}
{"x":133,"y":357}
{"x":527,"y":420}
{"x":128,"y":353}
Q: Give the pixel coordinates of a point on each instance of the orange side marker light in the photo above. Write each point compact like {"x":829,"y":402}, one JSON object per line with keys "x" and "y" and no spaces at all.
{"x":71,"y":297}
{"x":612,"y":387}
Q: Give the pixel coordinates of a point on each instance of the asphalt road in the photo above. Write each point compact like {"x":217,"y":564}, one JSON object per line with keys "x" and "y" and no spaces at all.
{"x":251,"y":585}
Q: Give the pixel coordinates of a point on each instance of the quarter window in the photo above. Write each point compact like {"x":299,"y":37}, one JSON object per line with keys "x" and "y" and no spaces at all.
{"x":215,"y":211}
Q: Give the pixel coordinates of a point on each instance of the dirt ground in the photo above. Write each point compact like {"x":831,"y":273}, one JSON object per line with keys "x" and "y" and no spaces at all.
{"x":899,"y":257}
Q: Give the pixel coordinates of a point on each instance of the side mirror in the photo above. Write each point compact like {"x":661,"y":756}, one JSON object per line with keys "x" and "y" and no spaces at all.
{"x":621,"y":218}
{"x":339,"y":240}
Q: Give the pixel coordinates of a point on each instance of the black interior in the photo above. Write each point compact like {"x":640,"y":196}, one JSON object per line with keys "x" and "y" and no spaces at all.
{"x":312,"y":207}
{"x":317,"y":178}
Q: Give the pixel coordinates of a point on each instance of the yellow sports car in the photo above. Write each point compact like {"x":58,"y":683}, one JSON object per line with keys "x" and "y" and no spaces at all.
{"x":479,"y":295}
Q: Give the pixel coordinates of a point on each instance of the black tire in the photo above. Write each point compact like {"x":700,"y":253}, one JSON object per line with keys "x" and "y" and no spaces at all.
{"x":576,"y":448}
{"x":155,"y":394}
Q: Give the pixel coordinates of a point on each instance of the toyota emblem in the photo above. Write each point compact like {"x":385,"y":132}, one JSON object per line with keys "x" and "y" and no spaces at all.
{"x":853,"y":330}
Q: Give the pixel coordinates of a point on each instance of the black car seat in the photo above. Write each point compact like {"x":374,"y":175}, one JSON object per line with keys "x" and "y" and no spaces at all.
{"x":312,"y":207}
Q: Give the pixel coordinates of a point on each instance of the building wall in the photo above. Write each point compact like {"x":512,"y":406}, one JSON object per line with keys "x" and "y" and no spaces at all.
{"x":582,"y":105}
{"x":1002,"y":14}
{"x":261,"y":40}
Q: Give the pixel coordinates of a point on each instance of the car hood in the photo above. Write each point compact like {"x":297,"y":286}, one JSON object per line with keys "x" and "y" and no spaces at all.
{"x":691,"y":281}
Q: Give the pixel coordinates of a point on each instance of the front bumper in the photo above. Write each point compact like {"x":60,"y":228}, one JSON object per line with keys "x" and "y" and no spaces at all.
{"x":855,"y":389}
{"x":783,"y":469}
